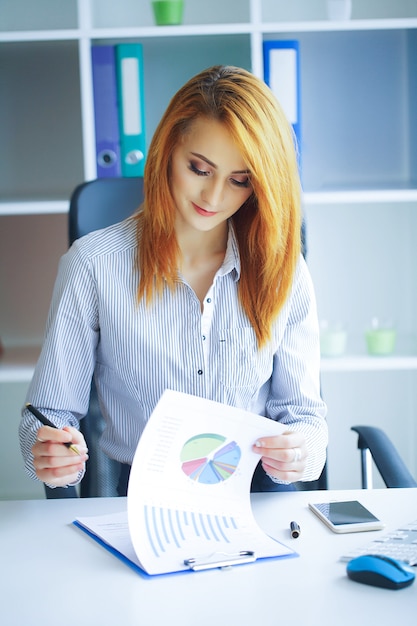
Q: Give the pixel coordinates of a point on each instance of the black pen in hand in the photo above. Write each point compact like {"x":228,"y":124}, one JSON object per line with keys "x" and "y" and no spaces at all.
{"x":44,"y":420}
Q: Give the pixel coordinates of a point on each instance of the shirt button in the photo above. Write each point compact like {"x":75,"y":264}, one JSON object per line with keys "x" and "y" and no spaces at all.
{"x":200,"y":372}
{"x":208,"y":300}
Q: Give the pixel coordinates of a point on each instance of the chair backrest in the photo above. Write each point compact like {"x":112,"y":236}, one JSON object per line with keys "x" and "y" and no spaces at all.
{"x":94,"y":205}
{"x":102,"y":202}
{"x":374,"y":442}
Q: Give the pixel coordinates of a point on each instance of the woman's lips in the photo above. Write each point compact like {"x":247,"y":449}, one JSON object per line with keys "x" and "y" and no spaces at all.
{"x":203,"y":212}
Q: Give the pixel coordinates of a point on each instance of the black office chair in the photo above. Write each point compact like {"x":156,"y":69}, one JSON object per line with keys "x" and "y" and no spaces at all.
{"x":94,"y":205}
{"x":374,"y":444}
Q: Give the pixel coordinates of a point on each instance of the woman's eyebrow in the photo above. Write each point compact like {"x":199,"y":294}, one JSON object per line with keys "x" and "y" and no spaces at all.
{"x":206,"y":160}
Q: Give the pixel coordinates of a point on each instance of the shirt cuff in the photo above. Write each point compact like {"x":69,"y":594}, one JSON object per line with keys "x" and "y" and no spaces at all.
{"x":277,"y":481}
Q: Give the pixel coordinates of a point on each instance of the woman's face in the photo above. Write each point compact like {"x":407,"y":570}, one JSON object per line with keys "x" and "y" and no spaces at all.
{"x":209,"y":178}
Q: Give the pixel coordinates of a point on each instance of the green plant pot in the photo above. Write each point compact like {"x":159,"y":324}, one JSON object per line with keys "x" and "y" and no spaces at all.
{"x":168,"y":12}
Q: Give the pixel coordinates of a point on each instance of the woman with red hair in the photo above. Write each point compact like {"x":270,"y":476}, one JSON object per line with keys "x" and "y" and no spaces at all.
{"x":204,"y":290}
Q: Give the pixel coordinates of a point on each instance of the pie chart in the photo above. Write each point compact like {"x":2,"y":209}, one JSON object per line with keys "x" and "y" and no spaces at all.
{"x":209,"y":458}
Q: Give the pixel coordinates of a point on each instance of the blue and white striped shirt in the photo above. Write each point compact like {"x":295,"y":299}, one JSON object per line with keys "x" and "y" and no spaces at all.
{"x":136,"y":351}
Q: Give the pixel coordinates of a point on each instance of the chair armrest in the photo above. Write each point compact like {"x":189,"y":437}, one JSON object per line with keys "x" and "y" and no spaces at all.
{"x":387,"y":459}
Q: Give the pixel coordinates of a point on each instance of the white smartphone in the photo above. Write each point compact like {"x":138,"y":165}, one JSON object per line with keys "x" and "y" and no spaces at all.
{"x":346,"y":517}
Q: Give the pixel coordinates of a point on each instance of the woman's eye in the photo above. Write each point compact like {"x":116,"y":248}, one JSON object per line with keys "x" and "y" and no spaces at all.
{"x":196,"y":170}
{"x":241,"y":183}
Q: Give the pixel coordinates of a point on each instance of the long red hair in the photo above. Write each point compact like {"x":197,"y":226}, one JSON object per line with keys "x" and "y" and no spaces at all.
{"x":267,"y":226}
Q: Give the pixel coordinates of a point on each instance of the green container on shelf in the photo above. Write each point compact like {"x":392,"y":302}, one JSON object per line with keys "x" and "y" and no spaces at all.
{"x":168,"y":12}
{"x":381,"y":341}
{"x":333,"y":342}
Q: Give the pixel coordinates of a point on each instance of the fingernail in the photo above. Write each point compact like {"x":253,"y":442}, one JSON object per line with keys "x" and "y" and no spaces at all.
{"x":259,"y":444}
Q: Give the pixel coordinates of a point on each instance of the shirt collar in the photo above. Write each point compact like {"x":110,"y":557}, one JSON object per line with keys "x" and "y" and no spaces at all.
{"x":231,"y":262}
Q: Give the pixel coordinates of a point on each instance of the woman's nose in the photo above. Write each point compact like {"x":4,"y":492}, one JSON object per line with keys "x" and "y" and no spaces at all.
{"x":212,"y":192}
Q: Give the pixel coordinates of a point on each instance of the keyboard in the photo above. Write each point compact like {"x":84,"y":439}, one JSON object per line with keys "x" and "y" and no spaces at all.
{"x":400,"y":544}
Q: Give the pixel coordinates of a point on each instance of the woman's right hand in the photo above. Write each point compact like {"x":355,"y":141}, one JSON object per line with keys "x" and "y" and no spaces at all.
{"x":55,"y":463}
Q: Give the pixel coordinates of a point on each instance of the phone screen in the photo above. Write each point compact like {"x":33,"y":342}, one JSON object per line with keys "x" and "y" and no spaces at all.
{"x":346,"y":513}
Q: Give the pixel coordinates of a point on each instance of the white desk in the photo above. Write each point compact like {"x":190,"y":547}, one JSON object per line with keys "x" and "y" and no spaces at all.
{"x":53,"y":574}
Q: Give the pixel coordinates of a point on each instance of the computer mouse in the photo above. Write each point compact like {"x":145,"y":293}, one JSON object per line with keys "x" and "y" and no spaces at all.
{"x":380,"y":571}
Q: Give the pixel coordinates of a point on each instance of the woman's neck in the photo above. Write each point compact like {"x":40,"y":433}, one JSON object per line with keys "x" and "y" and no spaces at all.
{"x":200,"y":247}
{"x":202,"y":254}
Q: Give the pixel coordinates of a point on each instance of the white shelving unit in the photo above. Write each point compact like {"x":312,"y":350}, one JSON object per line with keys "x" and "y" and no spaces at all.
{"x":359,"y":168}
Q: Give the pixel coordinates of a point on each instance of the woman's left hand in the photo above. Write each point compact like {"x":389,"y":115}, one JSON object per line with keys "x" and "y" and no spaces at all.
{"x":283,"y":456}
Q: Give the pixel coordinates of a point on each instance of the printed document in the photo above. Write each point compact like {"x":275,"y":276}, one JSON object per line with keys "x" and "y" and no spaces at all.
{"x":188,"y":501}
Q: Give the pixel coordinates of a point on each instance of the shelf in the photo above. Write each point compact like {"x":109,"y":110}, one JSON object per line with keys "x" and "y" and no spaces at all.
{"x":34,"y":208}
{"x":187,"y":30}
{"x":362,"y":196}
{"x":39,"y":35}
{"x":267,"y":28}
{"x":139,"y":32}
{"x":368,"y":363}
{"x":317,"y":26}
{"x":248,"y":28}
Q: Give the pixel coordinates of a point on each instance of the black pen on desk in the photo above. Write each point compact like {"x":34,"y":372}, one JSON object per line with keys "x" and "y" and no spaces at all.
{"x":295,"y":530}
{"x":46,"y":422}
